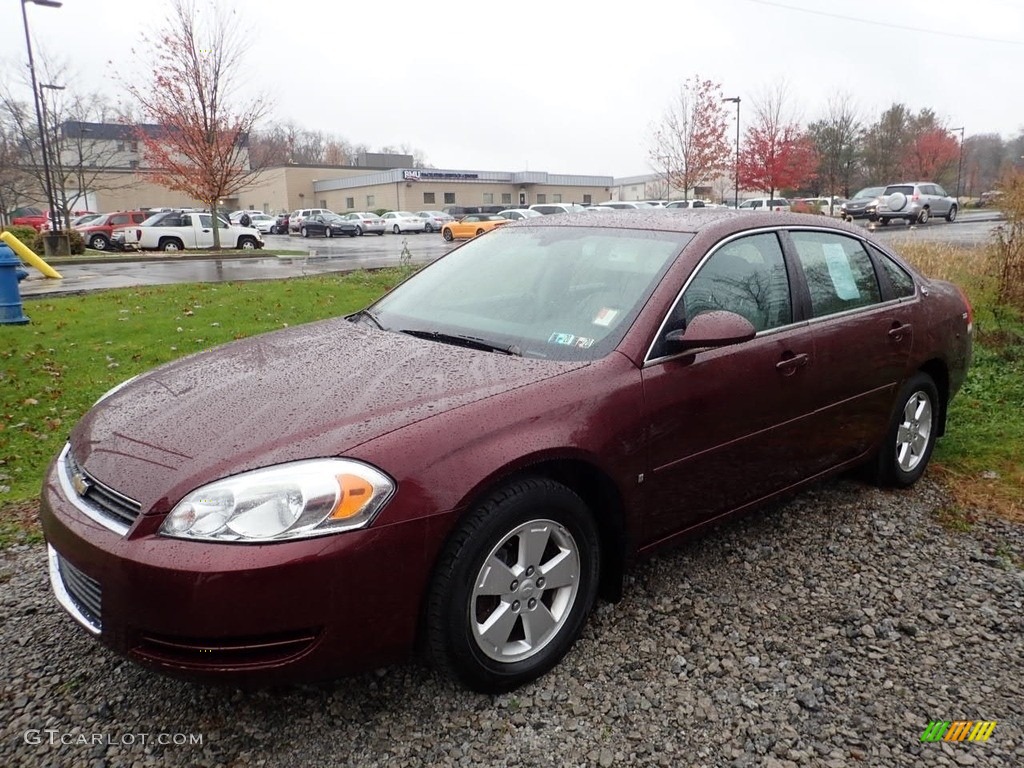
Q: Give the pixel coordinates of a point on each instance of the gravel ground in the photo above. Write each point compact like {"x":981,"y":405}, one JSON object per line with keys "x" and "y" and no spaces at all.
{"x":826,"y":631}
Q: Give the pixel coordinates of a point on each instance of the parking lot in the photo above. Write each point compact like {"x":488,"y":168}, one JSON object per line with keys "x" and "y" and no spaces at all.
{"x":321,"y":255}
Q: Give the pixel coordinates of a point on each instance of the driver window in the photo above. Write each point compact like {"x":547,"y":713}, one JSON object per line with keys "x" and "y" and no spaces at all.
{"x":746,"y":276}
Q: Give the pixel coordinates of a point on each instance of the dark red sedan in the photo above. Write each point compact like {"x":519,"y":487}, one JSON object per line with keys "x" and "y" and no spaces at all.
{"x":466,"y":464}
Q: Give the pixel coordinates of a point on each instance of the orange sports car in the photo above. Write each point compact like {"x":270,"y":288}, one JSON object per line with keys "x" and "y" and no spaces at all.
{"x":472,"y":225}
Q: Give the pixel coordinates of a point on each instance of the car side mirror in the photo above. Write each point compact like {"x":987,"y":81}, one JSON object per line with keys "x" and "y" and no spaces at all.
{"x":716,"y":328}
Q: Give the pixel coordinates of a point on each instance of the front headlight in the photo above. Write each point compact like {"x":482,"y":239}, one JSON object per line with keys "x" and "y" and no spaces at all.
{"x":298,"y":500}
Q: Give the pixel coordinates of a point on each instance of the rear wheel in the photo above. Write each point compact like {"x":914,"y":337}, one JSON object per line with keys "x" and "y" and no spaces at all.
{"x":328,"y":232}
{"x":912,"y":432}
{"x":171,"y":245}
{"x":428,"y":227}
{"x":359,"y":230}
{"x":513,"y":586}
{"x":479,"y":232}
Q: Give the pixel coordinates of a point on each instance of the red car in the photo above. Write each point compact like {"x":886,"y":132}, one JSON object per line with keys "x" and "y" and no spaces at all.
{"x":467,"y":463}
{"x":97,"y":232}
{"x":30,"y":217}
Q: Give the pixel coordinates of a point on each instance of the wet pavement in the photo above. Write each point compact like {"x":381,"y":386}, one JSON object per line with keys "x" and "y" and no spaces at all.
{"x":323,"y":256}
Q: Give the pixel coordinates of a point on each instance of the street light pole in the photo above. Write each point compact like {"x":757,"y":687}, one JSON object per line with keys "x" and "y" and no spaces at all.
{"x":960,"y":165}
{"x":736,"y":101}
{"x":51,"y":165}
{"x":49,"y":241}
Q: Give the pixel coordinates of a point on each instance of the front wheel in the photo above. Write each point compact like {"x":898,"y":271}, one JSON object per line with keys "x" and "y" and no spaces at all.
{"x":359,"y":231}
{"x":951,"y":216}
{"x":912,"y":432}
{"x":328,"y":232}
{"x":172,"y":245}
{"x":447,"y":234}
{"x":99,"y":243}
{"x":247,"y":244}
{"x":479,"y":232}
{"x":513,"y":586}
{"x":428,"y":227}
{"x":305,"y":232}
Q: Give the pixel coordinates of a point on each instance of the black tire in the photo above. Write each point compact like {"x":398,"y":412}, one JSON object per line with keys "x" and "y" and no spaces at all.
{"x":951,"y":216}
{"x":352,"y":233}
{"x":381,"y":233}
{"x":885,"y":222}
{"x":359,"y":230}
{"x":99,"y":242}
{"x":428,"y":227}
{"x":911,"y":435}
{"x":247,"y":243}
{"x":397,"y":230}
{"x":304,"y":232}
{"x":923,"y":216}
{"x":328,"y":232}
{"x":171,"y":244}
{"x":479,"y":232}
{"x":446,"y":233}
{"x":470,"y":608}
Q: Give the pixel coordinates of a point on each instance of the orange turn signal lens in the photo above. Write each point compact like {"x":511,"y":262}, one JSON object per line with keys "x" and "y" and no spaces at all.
{"x":355,"y":493}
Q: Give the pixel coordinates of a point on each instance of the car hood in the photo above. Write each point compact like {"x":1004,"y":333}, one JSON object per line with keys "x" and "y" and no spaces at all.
{"x":315,"y":390}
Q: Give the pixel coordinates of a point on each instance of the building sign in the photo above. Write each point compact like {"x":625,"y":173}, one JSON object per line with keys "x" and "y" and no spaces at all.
{"x":439,"y":175}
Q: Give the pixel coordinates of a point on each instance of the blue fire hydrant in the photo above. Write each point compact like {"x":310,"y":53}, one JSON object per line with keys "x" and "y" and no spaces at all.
{"x":11,"y":274}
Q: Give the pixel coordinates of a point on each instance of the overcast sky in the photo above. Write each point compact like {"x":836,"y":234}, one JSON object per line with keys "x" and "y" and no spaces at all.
{"x":568,"y":86}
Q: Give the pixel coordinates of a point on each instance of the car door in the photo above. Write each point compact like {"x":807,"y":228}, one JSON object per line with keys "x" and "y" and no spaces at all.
{"x":740,"y":411}
{"x":203,"y":230}
{"x":862,"y":343}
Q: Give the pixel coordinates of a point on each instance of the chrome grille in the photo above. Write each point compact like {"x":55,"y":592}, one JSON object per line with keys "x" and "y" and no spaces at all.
{"x":80,"y":595}
{"x":102,"y":498}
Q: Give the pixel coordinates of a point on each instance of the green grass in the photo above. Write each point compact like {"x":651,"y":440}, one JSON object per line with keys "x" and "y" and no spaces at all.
{"x":78,"y":347}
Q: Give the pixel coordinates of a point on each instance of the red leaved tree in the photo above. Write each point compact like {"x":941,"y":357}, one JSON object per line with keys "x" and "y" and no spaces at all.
{"x":776,"y":153}
{"x":931,"y":155}
{"x":200,"y":143}
{"x":689,"y":145}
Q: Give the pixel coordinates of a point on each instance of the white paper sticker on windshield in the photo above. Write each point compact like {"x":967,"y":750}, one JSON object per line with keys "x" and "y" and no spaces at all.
{"x":840,"y":271}
{"x":605,"y":316}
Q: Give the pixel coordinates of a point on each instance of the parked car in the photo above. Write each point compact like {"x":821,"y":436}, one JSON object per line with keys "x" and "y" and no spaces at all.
{"x":466,"y":463}
{"x":626,"y":205}
{"x":28,"y":217}
{"x":174,"y":231}
{"x":295,"y":217}
{"x":366,"y":222}
{"x":550,"y":208}
{"x":398,"y":222}
{"x":687,"y":204}
{"x":435,"y":220}
{"x":518,"y":214}
{"x":280,"y":225}
{"x":472,"y":225}
{"x":327,"y":225}
{"x":96,"y":233}
{"x":916,"y":202}
{"x":776,"y":204}
{"x":863,"y":205}
{"x":261,"y":221}
{"x":84,"y":219}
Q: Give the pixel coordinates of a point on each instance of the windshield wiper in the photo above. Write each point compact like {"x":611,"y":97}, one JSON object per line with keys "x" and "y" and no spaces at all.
{"x":471,"y":342}
{"x":369,"y":316}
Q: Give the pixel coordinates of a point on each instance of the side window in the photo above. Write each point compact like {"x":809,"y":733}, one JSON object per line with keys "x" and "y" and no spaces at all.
{"x":902,"y":282}
{"x":839,"y":273}
{"x":698,"y":204}
{"x":118,"y":220}
{"x":205,"y":220}
{"x":746,"y":276}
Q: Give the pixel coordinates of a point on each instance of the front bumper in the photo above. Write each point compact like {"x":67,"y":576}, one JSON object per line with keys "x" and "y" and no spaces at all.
{"x":246,"y":614}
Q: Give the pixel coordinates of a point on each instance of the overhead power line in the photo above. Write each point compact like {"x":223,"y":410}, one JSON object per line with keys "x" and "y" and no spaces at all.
{"x":875,"y":23}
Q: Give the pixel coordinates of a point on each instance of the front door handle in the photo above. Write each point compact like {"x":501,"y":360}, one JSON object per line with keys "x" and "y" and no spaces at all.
{"x":789,"y":365}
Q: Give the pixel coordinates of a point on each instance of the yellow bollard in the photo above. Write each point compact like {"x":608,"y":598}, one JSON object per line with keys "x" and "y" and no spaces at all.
{"x":28,"y":256}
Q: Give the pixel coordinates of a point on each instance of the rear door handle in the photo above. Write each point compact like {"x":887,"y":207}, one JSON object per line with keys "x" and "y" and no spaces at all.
{"x":789,"y":365}
{"x":899,"y":331}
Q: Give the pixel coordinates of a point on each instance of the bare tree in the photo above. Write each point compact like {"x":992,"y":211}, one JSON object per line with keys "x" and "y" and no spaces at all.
{"x":689,"y":145}
{"x":836,"y":137}
{"x":201,"y":147}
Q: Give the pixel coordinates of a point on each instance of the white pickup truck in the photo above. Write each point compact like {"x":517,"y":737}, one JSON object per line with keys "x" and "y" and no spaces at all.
{"x":178,"y":230}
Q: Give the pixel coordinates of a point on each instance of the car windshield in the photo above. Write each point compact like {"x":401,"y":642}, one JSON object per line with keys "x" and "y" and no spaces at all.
{"x":560,"y":293}
{"x":869,"y":192}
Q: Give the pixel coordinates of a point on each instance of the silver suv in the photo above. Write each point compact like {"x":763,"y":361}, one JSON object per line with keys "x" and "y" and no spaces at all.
{"x":915,"y":201}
